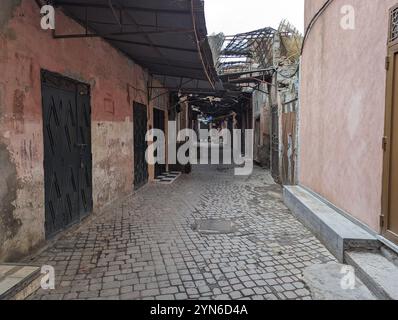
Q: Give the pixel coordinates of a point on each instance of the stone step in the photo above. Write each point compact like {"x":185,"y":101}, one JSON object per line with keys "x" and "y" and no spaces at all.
{"x":168,"y":177}
{"x":17,"y":282}
{"x":333,"y":229}
{"x":390,"y":255}
{"x":327,"y":282}
{"x":377,"y":272}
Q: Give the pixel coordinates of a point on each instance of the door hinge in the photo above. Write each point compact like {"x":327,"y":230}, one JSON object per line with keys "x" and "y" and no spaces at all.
{"x":382,"y":220}
{"x":385,"y":140}
{"x":387,"y":62}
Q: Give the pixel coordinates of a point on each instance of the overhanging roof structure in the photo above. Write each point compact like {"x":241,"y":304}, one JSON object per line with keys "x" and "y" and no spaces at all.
{"x":168,"y":37}
{"x":242,"y":50}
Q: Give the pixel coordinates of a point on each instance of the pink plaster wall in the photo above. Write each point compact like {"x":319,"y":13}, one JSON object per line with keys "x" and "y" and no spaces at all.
{"x":115,"y":83}
{"x":342,"y":107}
{"x":311,"y":8}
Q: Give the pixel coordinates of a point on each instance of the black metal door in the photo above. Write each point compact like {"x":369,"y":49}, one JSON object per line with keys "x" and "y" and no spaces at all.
{"x":159,"y":123}
{"x":140,"y":145}
{"x":84,"y":147}
{"x":67,"y":151}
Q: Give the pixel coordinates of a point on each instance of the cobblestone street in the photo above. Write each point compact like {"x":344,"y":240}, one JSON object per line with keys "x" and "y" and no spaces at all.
{"x":152,"y":245}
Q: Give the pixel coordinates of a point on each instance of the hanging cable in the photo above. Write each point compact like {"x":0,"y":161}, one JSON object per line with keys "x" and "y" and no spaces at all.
{"x":313,"y":21}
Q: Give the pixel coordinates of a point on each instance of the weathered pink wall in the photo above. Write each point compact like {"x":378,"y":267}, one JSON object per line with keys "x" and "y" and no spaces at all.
{"x":115,"y":83}
{"x":342,"y":107}
{"x":311,"y":8}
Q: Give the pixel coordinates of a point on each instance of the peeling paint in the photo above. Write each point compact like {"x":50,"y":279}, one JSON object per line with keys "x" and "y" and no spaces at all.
{"x":6,"y":12}
{"x":10,"y":34}
{"x":21,"y":126}
{"x":18,"y":106}
{"x":18,"y":110}
{"x":2,"y":98}
{"x":9,"y":225}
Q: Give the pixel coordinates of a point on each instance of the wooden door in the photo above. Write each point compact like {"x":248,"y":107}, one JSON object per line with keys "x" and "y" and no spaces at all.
{"x":389,"y":219}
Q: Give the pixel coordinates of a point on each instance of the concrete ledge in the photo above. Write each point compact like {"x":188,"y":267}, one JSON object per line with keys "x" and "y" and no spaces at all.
{"x":378,"y":273}
{"x":17,"y":282}
{"x":324,"y":282}
{"x":335,"y":231}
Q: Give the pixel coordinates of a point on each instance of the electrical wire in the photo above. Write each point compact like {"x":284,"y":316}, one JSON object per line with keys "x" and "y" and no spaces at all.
{"x":313,"y":21}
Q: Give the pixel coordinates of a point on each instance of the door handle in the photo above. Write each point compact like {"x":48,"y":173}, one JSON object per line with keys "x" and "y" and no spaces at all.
{"x":385,"y":143}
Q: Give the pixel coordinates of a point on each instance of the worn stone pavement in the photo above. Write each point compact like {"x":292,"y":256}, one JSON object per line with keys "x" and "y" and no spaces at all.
{"x":147,"y":247}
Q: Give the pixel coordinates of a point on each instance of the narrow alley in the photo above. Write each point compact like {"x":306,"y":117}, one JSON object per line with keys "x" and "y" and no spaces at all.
{"x":156,"y":244}
{"x":183,"y":150}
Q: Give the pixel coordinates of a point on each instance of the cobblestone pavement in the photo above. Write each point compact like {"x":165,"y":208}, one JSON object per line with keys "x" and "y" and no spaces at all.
{"x":150,"y":247}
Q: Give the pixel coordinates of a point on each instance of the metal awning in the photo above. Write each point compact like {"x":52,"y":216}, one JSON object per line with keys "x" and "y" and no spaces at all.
{"x":168,"y":37}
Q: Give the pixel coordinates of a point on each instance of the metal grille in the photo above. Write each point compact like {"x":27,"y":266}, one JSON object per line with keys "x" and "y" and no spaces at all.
{"x":394,"y":24}
{"x":140,"y":145}
{"x":67,"y":152}
{"x":159,"y":123}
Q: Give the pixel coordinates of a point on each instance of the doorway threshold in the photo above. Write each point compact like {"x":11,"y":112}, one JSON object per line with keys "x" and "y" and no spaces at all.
{"x":168,"y":177}
{"x":392,"y":246}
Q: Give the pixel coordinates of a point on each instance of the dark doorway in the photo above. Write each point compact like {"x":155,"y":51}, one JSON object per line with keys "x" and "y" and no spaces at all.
{"x":275,"y":143}
{"x":140,"y":145}
{"x":257,"y":139}
{"x":159,"y":123}
{"x":67,"y":151}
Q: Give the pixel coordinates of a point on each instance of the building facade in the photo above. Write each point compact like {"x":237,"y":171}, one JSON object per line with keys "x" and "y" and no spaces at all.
{"x":346,"y":137}
{"x":46,"y":139}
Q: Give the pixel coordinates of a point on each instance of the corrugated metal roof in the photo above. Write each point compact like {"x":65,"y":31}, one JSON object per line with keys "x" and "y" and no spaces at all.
{"x":168,"y":37}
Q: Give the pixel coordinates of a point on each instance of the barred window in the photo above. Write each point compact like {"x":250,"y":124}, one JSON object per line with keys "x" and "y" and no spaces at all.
{"x":394,"y":24}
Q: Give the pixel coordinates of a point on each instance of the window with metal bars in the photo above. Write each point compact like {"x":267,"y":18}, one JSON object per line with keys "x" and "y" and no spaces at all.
{"x":393,"y":24}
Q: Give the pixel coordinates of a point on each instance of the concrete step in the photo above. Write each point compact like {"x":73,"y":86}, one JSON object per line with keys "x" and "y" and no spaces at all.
{"x":333,"y":229}
{"x":17,"y":282}
{"x":168,"y":177}
{"x":390,"y":255}
{"x":377,"y":272}
{"x":327,"y":282}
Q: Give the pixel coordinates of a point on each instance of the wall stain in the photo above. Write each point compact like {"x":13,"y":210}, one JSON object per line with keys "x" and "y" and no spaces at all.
{"x":10,"y":34}
{"x":18,"y":110}
{"x":18,"y":105}
{"x":9,"y":225}
{"x":7,"y":10}
{"x":2,"y":99}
